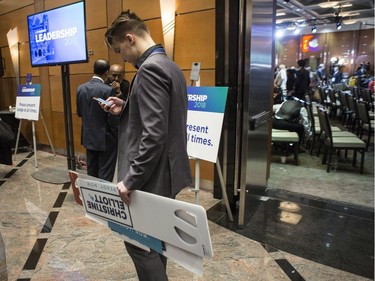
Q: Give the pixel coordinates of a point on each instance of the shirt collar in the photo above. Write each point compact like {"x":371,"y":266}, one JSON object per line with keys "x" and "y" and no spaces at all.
{"x":149,"y":51}
{"x":97,"y":77}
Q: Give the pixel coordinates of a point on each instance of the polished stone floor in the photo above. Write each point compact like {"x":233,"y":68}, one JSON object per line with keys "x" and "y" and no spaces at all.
{"x":44,"y":235}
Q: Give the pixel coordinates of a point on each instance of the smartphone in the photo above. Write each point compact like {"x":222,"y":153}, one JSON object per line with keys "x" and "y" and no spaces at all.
{"x":102,"y":101}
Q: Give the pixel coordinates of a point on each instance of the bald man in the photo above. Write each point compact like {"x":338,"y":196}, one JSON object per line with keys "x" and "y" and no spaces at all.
{"x":116,"y":81}
{"x":98,"y":131}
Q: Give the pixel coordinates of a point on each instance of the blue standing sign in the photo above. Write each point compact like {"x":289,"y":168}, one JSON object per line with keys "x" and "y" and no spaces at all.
{"x":205,"y":119}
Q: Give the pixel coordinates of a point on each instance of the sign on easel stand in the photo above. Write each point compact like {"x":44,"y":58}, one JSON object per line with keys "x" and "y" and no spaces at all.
{"x":27,"y":107}
{"x":27,"y":102}
{"x":204,"y":123}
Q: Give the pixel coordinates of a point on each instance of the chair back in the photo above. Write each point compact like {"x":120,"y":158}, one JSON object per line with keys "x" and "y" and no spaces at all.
{"x":310,"y":114}
{"x":364,"y":116}
{"x":332,"y":96}
{"x":325,"y":126}
{"x":321,"y":95}
{"x":352,"y":102}
{"x":343,"y":100}
{"x":365,"y":95}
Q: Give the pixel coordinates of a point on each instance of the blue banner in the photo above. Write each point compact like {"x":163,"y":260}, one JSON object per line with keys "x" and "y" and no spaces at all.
{"x":208,"y":99}
{"x":28,"y":90}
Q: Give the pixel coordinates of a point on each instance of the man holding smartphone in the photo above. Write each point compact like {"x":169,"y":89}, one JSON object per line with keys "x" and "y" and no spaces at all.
{"x":152,"y":127}
{"x":98,"y":131}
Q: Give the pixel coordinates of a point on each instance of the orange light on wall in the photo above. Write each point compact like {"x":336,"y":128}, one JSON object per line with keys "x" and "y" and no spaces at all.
{"x":305,"y":43}
{"x":310,"y":43}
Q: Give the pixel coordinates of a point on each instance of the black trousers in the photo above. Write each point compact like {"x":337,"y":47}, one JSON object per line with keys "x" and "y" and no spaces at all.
{"x":101,"y":164}
{"x":281,"y":124}
{"x":150,"y":266}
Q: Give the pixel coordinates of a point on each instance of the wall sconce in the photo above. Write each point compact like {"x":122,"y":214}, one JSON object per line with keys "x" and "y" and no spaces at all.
{"x":168,"y":13}
{"x":13,"y":43}
{"x":313,"y":29}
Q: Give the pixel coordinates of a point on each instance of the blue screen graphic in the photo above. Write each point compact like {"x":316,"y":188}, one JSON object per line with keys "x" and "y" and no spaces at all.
{"x":58,"y":36}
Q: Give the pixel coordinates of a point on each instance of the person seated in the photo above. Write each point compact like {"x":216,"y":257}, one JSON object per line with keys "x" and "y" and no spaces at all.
{"x":292,"y":116}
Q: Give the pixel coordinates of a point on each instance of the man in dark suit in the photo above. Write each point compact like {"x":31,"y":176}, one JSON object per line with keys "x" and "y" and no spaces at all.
{"x":302,"y":83}
{"x":152,"y":128}
{"x":116,"y":81}
{"x":97,"y":132}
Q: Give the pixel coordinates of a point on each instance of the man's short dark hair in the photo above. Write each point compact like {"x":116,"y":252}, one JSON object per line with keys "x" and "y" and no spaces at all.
{"x":126,"y":22}
{"x":301,"y":63}
{"x":101,"y":66}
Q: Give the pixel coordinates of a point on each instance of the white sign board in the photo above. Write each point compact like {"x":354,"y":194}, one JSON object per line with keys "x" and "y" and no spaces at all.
{"x":27,"y":102}
{"x":204,"y":121}
{"x":175,"y":229}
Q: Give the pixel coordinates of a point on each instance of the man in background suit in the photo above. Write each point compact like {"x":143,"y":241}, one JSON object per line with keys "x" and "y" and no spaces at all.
{"x":152,"y":127}
{"x":116,"y":81}
{"x":302,"y":83}
{"x":98,"y":132}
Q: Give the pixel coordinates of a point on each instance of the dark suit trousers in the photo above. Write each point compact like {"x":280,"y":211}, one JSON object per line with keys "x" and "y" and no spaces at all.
{"x":101,"y":164}
{"x":150,"y":266}
{"x":290,"y":126}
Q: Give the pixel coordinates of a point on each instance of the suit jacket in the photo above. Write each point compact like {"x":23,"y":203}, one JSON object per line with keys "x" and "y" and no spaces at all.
{"x":97,"y":132}
{"x":302,"y":83}
{"x":152,"y":153}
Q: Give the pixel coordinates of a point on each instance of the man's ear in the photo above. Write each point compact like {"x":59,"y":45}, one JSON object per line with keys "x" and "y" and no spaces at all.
{"x":130,"y":38}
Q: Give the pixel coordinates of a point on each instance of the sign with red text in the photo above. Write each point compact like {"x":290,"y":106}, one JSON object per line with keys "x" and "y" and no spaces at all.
{"x":175,"y":229}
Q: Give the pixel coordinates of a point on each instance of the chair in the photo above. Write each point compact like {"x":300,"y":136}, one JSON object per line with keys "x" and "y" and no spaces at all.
{"x":334,"y":104}
{"x":332,"y":143}
{"x":366,"y":96}
{"x":366,"y":124}
{"x":315,"y":132}
{"x":345,"y":111}
{"x":356,"y":121}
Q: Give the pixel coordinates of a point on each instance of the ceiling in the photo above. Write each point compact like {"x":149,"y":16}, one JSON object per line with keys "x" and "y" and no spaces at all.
{"x":297,"y":12}
{"x":308,"y":13}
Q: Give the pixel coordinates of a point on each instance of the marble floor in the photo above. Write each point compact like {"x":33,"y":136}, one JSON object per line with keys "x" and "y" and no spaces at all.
{"x":45,"y":236}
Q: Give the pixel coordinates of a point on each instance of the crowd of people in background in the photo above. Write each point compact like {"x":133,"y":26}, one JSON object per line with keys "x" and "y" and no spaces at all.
{"x":292,"y":81}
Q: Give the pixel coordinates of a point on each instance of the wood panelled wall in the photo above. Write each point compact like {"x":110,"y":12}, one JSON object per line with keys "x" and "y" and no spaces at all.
{"x":354,"y":46}
{"x":194,"y":41}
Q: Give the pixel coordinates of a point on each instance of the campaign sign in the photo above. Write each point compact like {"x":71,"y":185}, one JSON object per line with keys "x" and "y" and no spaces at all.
{"x":27,"y":102}
{"x":204,"y":121}
{"x":175,"y":229}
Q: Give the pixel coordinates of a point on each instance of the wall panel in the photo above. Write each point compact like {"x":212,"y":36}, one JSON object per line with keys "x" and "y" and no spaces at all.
{"x":15,"y":19}
{"x":366,"y":47}
{"x":195,"y":41}
{"x":96,"y":14}
{"x":147,"y":9}
{"x":183,"y":6}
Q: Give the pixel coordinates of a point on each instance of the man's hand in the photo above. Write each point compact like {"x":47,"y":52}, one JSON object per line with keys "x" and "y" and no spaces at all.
{"x":116,"y":105}
{"x":116,"y":85}
{"x":123,"y":192}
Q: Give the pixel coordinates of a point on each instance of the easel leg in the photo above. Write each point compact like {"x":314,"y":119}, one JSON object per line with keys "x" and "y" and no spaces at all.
{"x":223,"y":190}
{"x":45,"y":129}
{"x":34,"y":142}
{"x":17,"y":140}
{"x":197,"y":180}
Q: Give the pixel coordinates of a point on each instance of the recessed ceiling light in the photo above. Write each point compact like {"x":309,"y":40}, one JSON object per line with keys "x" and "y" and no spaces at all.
{"x":349,"y":21}
{"x":328,"y":4}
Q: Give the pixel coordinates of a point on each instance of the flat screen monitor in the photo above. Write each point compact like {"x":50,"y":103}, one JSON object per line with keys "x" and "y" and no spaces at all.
{"x":58,"y":36}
